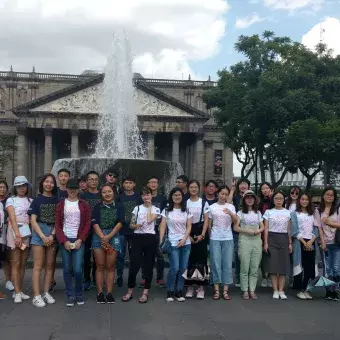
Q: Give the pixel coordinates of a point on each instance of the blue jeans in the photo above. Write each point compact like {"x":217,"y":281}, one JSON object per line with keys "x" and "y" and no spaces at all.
{"x":221,"y":261}
{"x":333,"y":260}
{"x":179,"y":258}
{"x":125,"y":243}
{"x":73,"y":263}
{"x":236,"y":256}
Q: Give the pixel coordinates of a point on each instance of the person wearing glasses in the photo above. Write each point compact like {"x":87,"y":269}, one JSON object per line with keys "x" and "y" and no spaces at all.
{"x":111,"y":178}
{"x":92,"y":197}
{"x":292,"y":198}
{"x":182,"y":182}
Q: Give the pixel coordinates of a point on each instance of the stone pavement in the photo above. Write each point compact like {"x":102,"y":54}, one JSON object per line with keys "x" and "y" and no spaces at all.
{"x":234,"y":320}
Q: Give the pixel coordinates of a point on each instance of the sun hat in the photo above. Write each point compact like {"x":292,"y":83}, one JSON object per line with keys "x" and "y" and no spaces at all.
{"x":21,"y":180}
{"x":249,"y":193}
{"x":72,"y":183}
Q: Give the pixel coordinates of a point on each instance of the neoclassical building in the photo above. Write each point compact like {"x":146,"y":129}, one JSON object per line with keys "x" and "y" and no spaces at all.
{"x":54,"y":116}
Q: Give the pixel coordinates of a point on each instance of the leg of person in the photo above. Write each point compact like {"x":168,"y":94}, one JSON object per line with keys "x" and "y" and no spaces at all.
{"x":87,"y":263}
{"x":245,"y":253}
{"x":100,"y":258}
{"x":6,"y":266}
{"x":38,"y":263}
{"x":183,"y":265}
{"x":308,"y":265}
{"x":227,"y":250}
{"x":23,"y":263}
{"x":77,"y":265}
{"x":275,"y":278}
{"x":255,"y":261}
{"x":121,"y":260}
{"x":15,"y":272}
{"x":202,"y":258}
{"x":173,"y":270}
{"x":191,"y":264}
{"x":215,"y":249}
{"x":67,"y":257}
{"x":49,"y":270}
{"x":160,"y":266}
{"x":94,"y":268}
{"x":336,"y":269}
{"x":110,"y":266}
{"x":282,"y":283}
{"x":237,"y":260}
{"x":53,"y":282}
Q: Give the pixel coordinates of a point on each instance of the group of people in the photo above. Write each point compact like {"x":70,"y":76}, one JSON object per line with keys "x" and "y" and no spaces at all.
{"x":93,"y":226}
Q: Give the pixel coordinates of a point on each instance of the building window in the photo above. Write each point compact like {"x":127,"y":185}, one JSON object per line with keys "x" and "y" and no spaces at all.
{"x":21,"y":96}
{"x":199,"y":103}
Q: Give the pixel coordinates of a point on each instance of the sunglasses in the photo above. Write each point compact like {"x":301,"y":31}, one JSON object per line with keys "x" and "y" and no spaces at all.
{"x":112,"y":175}
{"x":294,"y":193}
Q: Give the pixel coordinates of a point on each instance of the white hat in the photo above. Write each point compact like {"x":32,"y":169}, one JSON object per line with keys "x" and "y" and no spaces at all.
{"x":21,"y":180}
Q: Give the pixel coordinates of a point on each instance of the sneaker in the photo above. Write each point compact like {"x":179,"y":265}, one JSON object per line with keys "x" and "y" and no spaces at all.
{"x":141,"y":284}
{"x":17,"y":298}
{"x":264,"y":283}
{"x":301,"y":295}
{"x":237,"y":284}
{"x":283,"y":296}
{"x":335,"y":296}
{"x":110,"y":298}
{"x":308,"y":296}
{"x":52,"y":287}
{"x":180,"y":297}
{"x":80,"y":300}
{"x":49,"y":299}
{"x":328,"y":295}
{"x":270,"y":284}
{"x":190,"y":293}
{"x":101,"y":298}
{"x":70,"y":302}
{"x":291,"y":282}
{"x":38,"y":301}
{"x":276,"y":295}
{"x":170,"y":297}
{"x":2,"y":296}
{"x":9,"y":286}
{"x":161,"y":283}
{"x":200,"y":293}
{"x":119,"y":282}
{"x":87,"y":285}
{"x":23,"y":296}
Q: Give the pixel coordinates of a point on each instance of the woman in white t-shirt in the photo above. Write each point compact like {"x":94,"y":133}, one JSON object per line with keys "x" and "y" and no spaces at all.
{"x":178,"y":220}
{"x":221,"y":246}
{"x":249,"y":226}
{"x":2,"y":240}
{"x":18,"y":234}
{"x":291,"y":202}
{"x":144,"y":244}
{"x":277,"y":244}
{"x":198,"y":258}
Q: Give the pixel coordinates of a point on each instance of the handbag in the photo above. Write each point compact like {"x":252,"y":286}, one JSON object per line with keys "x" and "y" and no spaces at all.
{"x":166,"y":244}
{"x":24,"y":230}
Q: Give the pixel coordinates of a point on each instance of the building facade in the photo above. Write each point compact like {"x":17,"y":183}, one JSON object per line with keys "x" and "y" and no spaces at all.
{"x":54,"y":116}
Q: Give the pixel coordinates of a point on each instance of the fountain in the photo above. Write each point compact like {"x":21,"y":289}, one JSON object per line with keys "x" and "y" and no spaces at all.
{"x":119,"y":144}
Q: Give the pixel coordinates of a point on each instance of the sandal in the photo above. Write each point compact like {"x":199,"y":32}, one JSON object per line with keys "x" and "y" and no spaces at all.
{"x":226,"y":295}
{"x":216,"y":295}
{"x":253,"y":295}
{"x":127,"y":297}
{"x":144,"y":298}
{"x":245,"y":296}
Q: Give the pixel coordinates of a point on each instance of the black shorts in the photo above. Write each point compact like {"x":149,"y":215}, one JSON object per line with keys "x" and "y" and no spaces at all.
{"x":3,"y":253}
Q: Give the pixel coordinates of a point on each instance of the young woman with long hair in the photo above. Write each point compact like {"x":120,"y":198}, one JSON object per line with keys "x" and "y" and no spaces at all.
{"x":18,"y":234}
{"x":199,"y":209}
{"x":42,"y":212}
{"x":249,"y":226}
{"x":221,"y":246}
{"x":304,"y":233}
{"x":327,"y":218}
{"x":291,"y":201}
{"x":107,"y":218}
{"x":144,"y":244}
{"x":73,"y":223}
{"x":178,"y":222}
{"x":277,"y":244}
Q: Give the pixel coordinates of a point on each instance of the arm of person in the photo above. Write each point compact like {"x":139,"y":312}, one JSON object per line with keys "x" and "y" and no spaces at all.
{"x":181,"y":243}
{"x":59,"y":224}
{"x":290,"y":236}
{"x":14,"y":225}
{"x":115,"y":230}
{"x":162,"y":227}
{"x":47,"y":240}
{"x":133,"y":224}
{"x":232,"y":192}
{"x":240,"y":230}
{"x":98,"y":231}
{"x":210,"y":225}
{"x":151,"y":216}
{"x":266,"y":229}
{"x":204,"y":229}
{"x":333,"y":224}
{"x":261,"y":229}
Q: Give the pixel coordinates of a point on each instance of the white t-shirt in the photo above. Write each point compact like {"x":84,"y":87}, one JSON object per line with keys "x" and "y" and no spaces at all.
{"x":177,"y":225}
{"x":21,"y":206}
{"x":221,"y":222}
{"x":146,"y":228}
{"x":71,"y":219}
{"x":195,"y":209}
{"x":2,"y":225}
{"x":306,"y":225}
{"x":278,"y":220}
{"x":292,"y":207}
{"x":251,"y":218}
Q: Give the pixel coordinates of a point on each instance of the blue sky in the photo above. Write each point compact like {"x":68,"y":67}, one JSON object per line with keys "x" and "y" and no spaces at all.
{"x":284,"y":22}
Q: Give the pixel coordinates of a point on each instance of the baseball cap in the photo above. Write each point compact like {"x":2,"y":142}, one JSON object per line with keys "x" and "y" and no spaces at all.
{"x":72,"y":183}
{"x":21,"y":180}
{"x":249,"y":193}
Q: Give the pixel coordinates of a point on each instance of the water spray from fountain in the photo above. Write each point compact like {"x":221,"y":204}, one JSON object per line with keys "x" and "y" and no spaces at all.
{"x":118,"y":133}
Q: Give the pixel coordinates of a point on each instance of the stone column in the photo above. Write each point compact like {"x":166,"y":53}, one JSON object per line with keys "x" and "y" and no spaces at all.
{"x":175,"y":147}
{"x":228,"y":166}
{"x":200,"y":158}
{"x":22,"y":151}
{"x":151,"y":145}
{"x":209,"y":160}
{"x":48,"y":150}
{"x":74,"y":143}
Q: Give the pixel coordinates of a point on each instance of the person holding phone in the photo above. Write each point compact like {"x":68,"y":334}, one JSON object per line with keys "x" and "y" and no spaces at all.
{"x":18,"y":234}
{"x":144,"y":244}
{"x":73,"y":223}
{"x":178,"y":220}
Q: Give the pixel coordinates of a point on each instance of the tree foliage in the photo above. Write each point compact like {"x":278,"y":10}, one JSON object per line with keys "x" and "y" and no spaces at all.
{"x":7,"y":148}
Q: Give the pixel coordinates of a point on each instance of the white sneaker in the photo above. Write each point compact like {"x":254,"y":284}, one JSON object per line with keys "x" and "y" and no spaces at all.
{"x":308,"y":296}
{"x":301,"y":295}
{"x":283,"y":296}
{"x":49,"y":299}
{"x":264,"y":283}
{"x":276,"y":295}
{"x":190,"y":293}
{"x":38,"y":301}
{"x":23,"y":296}
{"x":200,"y":293}
{"x":270,"y":284}
{"x":17,"y":298}
{"x":9,"y":286}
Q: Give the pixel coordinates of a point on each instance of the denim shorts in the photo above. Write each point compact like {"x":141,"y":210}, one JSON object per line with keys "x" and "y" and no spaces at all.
{"x":46,"y":230}
{"x":114,"y":241}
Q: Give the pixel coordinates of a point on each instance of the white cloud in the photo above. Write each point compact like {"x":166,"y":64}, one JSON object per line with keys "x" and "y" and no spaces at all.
{"x":254,"y":2}
{"x":71,"y":36}
{"x":330,"y":36}
{"x":248,"y":21}
{"x":293,"y":5}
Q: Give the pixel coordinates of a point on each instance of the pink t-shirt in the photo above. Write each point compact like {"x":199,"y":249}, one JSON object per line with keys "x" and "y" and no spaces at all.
{"x":141,"y":213}
{"x":21,"y":206}
{"x":221,"y":222}
{"x":278,"y":220}
{"x":329,"y":233}
{"x":71,"y":219}
{"x":306,"y":225}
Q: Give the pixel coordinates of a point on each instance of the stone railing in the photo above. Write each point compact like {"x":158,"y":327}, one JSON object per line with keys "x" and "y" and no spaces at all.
{"x":179,"y":83}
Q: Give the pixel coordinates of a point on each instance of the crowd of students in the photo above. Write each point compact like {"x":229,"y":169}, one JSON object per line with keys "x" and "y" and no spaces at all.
{"x":94,"y":226}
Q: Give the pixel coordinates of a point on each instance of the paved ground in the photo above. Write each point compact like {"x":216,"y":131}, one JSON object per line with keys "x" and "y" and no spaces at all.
{"x":234,"y":320}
